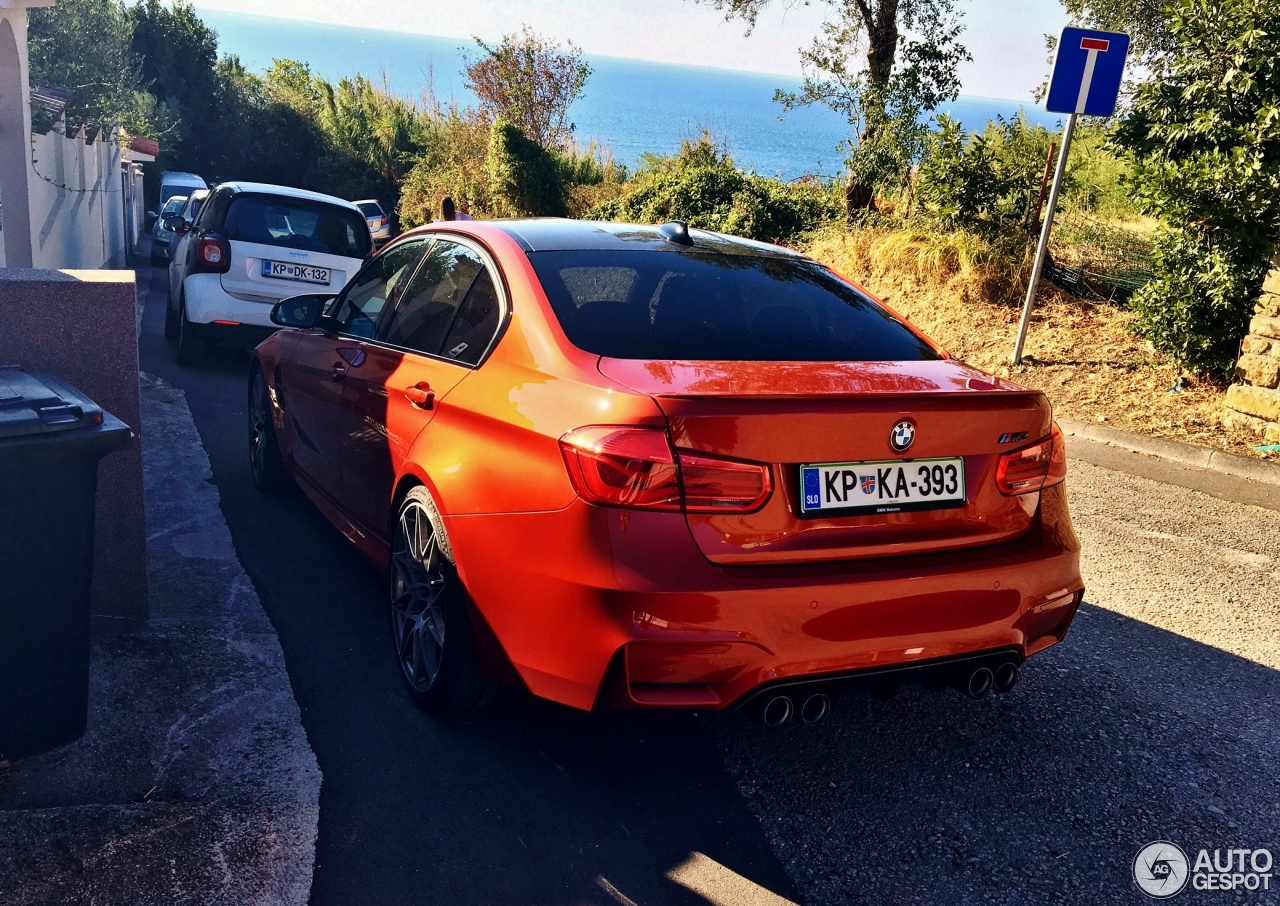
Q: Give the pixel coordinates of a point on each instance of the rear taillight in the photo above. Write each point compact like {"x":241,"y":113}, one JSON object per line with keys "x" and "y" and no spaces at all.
{"x":213,"y":255}
{"x":382,"y":223}
{"x":636,"y":467}
{"x":1034,"y":467}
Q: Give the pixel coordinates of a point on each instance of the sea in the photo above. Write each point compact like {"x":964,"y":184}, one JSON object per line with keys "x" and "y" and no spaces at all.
{"x":629,"y":106}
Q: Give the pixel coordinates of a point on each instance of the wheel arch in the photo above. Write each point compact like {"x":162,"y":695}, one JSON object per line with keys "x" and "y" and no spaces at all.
{"x":406,"y":483}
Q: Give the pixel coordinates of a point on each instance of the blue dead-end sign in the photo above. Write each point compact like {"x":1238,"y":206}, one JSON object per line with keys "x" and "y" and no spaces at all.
{"x":1087,"y":72}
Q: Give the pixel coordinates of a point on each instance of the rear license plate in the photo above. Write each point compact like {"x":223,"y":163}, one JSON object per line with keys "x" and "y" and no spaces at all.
{"x":304,"y":273}
{"x":896,"y":486}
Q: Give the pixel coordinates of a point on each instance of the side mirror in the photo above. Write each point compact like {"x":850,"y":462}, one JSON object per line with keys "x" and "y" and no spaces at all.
{"x":175,"y":224}
{"x":300,"y":311}
{"x":150,"y":220}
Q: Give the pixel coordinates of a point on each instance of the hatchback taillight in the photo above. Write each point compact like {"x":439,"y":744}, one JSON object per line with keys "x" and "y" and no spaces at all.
{"x":1034,"y":467}
{"x":213,"y":255}
{"x":636,"y":467}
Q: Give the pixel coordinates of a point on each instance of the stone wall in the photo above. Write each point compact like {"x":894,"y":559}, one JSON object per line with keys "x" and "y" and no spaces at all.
{"x":1254,"y":402}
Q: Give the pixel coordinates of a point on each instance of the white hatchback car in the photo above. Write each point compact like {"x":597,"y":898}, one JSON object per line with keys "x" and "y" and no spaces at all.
{"x":251,"y":246}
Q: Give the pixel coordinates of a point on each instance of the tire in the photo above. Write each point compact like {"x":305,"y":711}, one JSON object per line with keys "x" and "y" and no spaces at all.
{"x":266,"y":467}
{"x":430,"y":628}
{"x":190,"y":346}
{"x":170,"y":320}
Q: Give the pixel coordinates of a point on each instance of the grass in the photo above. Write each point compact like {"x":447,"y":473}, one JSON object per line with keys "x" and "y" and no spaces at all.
{"x":1084,"y":356}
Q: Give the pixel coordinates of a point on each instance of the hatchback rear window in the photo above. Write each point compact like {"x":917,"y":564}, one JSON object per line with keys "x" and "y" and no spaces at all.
{"x":714,"y":307}
{"x":295,"y":223}
{"x":369,"y":208}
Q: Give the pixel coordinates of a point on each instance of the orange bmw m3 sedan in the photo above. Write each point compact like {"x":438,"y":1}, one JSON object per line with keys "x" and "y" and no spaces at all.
{"x":655,"y":467}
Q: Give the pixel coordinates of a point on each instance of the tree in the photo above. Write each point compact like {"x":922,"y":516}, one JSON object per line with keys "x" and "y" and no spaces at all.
{"x":530,"y":83}
{"x":1204,"y":136}
{"x":1145,"y":21}
{"x":909,"y":52}
{"x":84,"y":46}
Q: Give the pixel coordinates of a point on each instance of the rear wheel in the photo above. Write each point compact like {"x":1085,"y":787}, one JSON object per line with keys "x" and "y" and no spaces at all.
{"x":429,"y":623}
{"x":170,"y":319}
{"x":190,"y":346}
{"x":265,"y":463}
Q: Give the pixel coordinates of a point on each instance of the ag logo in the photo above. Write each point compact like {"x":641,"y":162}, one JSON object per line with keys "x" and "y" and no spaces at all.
{"x":902,"y":436}
{"x":1160,"y":869}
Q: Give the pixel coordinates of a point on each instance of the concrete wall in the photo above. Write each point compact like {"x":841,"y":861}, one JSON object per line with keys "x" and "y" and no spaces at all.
{"x":77,"y":200}
{"x":81,"y":326}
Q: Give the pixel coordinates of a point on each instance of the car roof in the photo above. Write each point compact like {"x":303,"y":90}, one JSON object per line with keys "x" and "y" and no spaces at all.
{"x":262,"y":188}
{"x":559,"y":235}
{"x":367,"y":201}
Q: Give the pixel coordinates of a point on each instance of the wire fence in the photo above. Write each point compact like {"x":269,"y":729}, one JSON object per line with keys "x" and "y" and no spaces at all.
{"x":1097,"y":260}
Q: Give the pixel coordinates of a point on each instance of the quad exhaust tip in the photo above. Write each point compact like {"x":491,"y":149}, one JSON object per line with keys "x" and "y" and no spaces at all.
{"x":1006,"y":677}
{"x":777,"y":711}
{"x":980,"y":683}
{"x":815,"y":708}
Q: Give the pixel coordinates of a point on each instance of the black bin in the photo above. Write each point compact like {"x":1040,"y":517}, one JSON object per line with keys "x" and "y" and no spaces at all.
{"x":51,"y":438}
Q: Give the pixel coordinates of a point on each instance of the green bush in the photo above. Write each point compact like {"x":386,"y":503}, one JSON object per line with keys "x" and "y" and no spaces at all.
{"x":524,"y":177}
{"x":1206,"y":162}
{"x":701,"y":186}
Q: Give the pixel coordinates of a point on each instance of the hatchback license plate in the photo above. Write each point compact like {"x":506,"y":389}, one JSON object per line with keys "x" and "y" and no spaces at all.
{"x":895,"y":486}
{"x":304,"y":273}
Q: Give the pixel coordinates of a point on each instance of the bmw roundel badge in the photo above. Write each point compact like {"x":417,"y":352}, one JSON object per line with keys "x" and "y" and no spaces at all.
{"x":902,"y":436}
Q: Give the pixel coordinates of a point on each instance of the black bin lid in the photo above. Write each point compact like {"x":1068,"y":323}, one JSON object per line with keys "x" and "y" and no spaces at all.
{"x":35,"y":403}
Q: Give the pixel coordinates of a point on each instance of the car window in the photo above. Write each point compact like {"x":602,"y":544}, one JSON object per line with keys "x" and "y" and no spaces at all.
{"x":357,"y":310}
{"x":173,"y":206}
{"x":370,"y":209}
{"x":297,"y":223}
{"x":475,"y":323}
{"x":708,"y":306}
{"x":212,"y":214}
{"x":191,"y":210}
{"x":425,"y":313}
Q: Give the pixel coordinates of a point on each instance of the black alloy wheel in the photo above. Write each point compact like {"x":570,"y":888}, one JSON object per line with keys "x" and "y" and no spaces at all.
{"x":265,"y":463}
{"x":170,"y":319}
{"x":190,"y":347}
{"x":429,"y":621}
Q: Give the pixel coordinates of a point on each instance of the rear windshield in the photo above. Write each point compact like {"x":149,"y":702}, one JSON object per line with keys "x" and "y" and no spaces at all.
{"x":295,"y":223}
{"x":370,"y":208}
{"x":169,"y":190}
{"x":715,"y":307}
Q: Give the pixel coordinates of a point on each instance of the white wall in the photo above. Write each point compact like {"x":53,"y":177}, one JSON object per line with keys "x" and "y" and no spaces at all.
{"x":77,"y":201}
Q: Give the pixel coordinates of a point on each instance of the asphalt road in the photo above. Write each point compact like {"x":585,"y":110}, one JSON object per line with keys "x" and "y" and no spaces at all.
{"x":1155,"y":719}
{"x":528,"y":803}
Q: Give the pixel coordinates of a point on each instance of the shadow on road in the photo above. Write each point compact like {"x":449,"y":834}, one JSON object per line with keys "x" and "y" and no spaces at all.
{"x":530,"y":802}
{"x":1122,"y":735}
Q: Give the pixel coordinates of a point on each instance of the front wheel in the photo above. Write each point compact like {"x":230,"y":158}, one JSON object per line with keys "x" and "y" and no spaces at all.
{"x":429,"y":622}
{"x":265,"y":463}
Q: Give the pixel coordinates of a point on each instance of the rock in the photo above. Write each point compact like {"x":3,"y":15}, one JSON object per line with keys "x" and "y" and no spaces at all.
{"x":1265,"y":327}
{"x":1261,"y":371}
{"x":1260,"y":402}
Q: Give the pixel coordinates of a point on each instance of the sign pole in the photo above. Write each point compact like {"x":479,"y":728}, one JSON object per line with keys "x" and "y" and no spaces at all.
{"x":1043,"y":247}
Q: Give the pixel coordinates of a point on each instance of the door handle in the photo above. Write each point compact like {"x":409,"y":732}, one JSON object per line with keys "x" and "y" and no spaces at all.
{"x":421,"y":395}
{"x":339,"y":372}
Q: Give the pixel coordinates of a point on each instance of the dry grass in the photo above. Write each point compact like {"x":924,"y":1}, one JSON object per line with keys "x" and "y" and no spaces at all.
{"x":1082,"y":355}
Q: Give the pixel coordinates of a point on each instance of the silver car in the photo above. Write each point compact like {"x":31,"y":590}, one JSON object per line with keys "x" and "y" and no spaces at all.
{"x":379,"y":223}
{"x":161,"y":237}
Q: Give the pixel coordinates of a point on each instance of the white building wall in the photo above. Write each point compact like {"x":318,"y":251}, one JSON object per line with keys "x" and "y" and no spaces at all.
{"x":77,"y":200}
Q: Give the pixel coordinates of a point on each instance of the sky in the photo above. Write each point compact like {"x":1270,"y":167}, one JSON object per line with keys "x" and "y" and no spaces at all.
{"x":1005,"y":37}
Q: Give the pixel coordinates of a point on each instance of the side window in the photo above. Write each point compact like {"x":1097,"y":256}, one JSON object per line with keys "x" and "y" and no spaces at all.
{"x":476,"y":322}
{"x":365,"y":297}
{"x":210,"y":213}
{"x":427,"y":310}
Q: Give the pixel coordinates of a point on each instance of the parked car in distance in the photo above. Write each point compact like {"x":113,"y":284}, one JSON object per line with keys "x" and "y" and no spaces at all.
{"x":251,"y":245}
{"x":162,"y":231}
{"x":183,"y":221}
{"x":379,"y":223}
{"x":664,"y":468}
{"x":174,"y":182}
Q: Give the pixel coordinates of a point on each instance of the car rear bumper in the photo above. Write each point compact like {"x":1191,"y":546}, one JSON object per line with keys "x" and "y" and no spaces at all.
{"x":588,"y":600}
{"x":208,"y":302}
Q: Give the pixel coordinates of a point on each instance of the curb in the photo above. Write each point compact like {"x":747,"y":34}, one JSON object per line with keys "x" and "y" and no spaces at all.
{"x":1260,"y":470}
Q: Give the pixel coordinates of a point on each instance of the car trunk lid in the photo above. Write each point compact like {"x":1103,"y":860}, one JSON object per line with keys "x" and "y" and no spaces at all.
{"x":789,"y":414}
